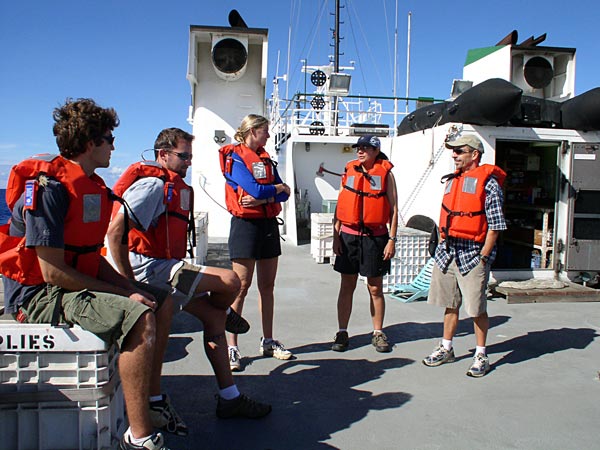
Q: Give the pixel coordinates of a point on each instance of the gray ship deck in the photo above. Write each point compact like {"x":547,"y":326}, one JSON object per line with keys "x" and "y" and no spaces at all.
{"x":542,"y":392}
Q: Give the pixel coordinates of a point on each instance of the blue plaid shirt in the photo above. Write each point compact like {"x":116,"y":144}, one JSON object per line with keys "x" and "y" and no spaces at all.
{"x":466,"y":252}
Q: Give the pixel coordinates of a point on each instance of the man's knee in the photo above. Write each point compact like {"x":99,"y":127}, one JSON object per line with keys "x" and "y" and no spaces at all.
{"x":143,"y":333}
{"x":232,"y":282}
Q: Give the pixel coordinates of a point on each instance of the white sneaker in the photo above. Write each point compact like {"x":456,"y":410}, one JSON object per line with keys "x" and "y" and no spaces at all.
{"x":274,"y":348}
{"x":235,"y":363}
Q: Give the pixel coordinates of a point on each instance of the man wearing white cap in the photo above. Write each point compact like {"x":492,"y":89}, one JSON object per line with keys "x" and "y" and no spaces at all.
{"x":471,"y":219}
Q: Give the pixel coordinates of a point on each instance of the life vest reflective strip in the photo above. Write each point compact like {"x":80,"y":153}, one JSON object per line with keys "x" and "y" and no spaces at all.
{"x":85,"y":225}
{"x":463,"y":206}
{"x":168,"y":239}
{"x":363,"y":201}
{"x":261,"y":167}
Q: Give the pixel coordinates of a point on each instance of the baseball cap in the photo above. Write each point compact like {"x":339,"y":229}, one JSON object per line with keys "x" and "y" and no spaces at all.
{"x":468,"y":139}
{"x":368,"y":139}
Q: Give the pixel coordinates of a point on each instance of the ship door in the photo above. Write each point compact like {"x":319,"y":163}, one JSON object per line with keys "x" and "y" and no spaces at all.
{"x":530,"y":204}
{"x":583,"y":246}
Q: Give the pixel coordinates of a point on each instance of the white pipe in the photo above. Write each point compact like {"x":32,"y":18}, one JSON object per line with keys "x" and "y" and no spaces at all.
{"x":408,"y":62}
{"x":396,"y":69}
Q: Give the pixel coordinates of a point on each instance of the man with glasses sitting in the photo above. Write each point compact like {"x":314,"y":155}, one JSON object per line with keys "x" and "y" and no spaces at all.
{"x":157,"y":216}
{"x":471,"y":219}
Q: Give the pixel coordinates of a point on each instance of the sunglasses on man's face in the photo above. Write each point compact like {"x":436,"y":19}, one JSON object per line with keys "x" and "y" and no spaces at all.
{"x":184,"y":156}
{"x":460,"y":151}
{"x":109,"y":138}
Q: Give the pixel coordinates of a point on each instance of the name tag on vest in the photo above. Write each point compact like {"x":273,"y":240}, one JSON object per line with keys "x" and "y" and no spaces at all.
{"x":184,"y":199}
{"x":259,"y":170}
{"x":469,"y":185}
{"x":91,"y":208}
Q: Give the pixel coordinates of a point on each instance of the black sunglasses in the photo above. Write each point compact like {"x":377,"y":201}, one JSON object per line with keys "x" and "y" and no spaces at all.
{"x":184,"y":156}
{"x":460,"y":151}
{"x":109,"y":138}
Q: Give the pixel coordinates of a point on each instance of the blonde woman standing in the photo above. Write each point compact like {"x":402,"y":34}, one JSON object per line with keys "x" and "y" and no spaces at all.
{"x":253,"y":193}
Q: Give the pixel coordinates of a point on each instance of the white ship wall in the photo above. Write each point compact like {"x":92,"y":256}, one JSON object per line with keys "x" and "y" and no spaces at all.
{"x":220,"y":105}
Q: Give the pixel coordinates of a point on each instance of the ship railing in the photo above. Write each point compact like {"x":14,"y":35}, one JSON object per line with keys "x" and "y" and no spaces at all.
{"x":316,"y":114}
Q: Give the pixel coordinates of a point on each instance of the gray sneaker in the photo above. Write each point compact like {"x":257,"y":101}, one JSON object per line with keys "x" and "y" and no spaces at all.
{"x":274,"y":348}
{"x":380,"y":342}
{"x":439,"y":356}
{"x":154,"y":442}
{"x":480,"y":366}
{"x":164,"y":417}
{"x":235,"y":363}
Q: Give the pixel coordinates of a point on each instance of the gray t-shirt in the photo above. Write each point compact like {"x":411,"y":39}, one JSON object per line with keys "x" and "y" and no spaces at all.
{"x":145,"y":198}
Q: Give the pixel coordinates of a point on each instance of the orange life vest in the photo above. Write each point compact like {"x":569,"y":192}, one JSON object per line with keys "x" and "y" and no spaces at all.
{"x":262,"y":169}
{"x":362,"y":201}
{"x":168,"y":239}
{"x":463,"y":205}
{"x":85,"y":225}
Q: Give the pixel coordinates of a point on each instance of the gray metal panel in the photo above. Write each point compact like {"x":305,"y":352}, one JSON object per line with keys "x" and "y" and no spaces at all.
{"x":584,"y":254}
{"x":586,"y":166}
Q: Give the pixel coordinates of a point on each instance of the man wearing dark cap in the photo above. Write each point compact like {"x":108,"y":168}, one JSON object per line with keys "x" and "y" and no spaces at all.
{"x":362,"y":242}
{"x":471,"y":219}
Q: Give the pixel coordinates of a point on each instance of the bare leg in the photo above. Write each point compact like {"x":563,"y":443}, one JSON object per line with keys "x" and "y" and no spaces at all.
{"x":136,"y":353}
{"x":344,"y":303}
{"x":223,"y":285}
{"x":377,"y":301}
{"x":215,"y":344}
{"x":266,"y":271}
{"x":450,"y":323}
{"x":163,"y":327}
{"x":481,"y":326}
{"x":244,"y":268}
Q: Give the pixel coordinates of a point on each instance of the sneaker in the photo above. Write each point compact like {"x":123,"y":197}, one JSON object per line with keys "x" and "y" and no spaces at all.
{"x":274,"y":348}
{"x":154,"y":442}
{"x":380,"y":342}
{"x":241,"y":406}
{"x":480,"y":366}
{"x":164,"y":417}
{"x":235,"y":323}
{"x":341,"y":342}
{"x":235,"y":363}
{"x":439,"y":356}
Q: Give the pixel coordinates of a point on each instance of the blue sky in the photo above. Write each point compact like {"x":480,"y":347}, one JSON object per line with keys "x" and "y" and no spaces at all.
{"x":132,"y":54}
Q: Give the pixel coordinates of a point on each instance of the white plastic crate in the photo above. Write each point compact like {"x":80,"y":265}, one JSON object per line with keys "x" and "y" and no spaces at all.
{"x":58,"y":379}
{"x":321,"y":239}
{"x":412,"y":253}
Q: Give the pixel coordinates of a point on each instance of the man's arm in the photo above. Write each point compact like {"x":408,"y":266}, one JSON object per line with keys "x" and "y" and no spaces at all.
{"x":118,"y":250}
{"x":58,"y":273}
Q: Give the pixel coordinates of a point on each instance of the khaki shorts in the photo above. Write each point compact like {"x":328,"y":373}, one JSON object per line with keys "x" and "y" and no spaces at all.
{"x":184,"y":284}
{"x":451,"y":289}
{"x":109,"y":316}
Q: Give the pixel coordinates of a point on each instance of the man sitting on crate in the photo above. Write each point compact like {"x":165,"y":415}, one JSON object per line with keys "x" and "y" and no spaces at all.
{"x":362,"y":243}
{"x":52,"y":267}
{"x":157,"y":210}
{"x":471,"y":219}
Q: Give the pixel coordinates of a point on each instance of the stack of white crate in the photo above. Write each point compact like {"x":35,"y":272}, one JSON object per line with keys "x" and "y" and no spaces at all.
{"x":321,"y":236}
{"x":59,"y":388}
{"x":412,"y":253}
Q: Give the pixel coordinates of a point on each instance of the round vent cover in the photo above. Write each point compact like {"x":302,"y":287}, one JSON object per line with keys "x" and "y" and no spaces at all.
{"x":538,"y":72}
{"x":229,"y":56}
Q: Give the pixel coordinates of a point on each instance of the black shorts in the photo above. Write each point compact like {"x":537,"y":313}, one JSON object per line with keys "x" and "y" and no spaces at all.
{"x":362,"y":255}
{"x":254,"y":238}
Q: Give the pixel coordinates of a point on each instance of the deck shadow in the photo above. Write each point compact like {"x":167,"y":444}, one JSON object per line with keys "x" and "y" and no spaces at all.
{"x":312,"y":400}
{"x":535,"y":344}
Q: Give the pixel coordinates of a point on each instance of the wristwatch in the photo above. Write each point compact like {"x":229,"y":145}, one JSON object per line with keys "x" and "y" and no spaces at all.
{"x":484,"y":258}
{"x":395,"y":239}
